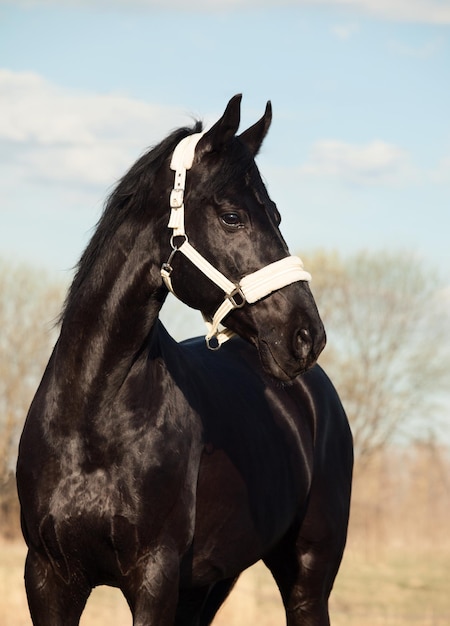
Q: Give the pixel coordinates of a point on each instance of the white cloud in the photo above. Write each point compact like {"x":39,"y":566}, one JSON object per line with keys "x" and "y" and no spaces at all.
{"x":345,"y":31}
{"x":425,"y":11}
{"x":53,"y":134}
{"x":374,"y":163}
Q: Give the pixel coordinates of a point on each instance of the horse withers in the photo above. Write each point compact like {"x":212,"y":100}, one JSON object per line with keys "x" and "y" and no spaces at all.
{"x":165,"y":469}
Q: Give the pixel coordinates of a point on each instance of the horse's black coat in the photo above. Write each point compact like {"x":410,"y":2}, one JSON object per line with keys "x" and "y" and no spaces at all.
{"x":166,"y":469}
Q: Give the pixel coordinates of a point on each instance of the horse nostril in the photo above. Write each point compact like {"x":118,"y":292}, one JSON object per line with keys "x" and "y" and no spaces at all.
{"x":303,"y":343}
{"x":304,"y":336}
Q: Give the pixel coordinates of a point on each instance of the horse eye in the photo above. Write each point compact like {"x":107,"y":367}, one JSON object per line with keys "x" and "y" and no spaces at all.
{"x":231,"y":219}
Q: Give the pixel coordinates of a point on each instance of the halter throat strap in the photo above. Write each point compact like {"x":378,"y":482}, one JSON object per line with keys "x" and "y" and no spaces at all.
{"x":250,"y":288}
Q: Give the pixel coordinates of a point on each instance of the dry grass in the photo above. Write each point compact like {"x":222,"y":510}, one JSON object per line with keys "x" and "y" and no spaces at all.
{"x":397,"y":589}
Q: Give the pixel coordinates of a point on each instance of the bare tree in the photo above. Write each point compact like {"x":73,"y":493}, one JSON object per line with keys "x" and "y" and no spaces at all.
{"x":29,"y":304}
{"x":388,"y":322}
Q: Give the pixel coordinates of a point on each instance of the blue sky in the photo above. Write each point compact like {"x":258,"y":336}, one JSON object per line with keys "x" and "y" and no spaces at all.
{"x":358,"y":156}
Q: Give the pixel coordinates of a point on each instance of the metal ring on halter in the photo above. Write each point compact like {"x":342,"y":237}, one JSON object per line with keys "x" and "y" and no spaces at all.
{"x":231,"y":297}
{"x":216,"y":343}
{"x":174,"y":247}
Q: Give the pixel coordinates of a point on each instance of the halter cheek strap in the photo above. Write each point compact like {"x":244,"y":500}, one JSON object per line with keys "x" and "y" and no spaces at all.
{"x":182,"y":159}
{"x":251,"y":288}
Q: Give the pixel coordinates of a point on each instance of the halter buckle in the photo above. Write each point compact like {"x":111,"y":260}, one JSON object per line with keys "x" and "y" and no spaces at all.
{"x":176,"y":198}
{"x":232,"y":298}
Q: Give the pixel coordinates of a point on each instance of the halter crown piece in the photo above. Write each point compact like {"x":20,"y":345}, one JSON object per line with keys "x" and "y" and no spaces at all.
{"x":250,"y":288}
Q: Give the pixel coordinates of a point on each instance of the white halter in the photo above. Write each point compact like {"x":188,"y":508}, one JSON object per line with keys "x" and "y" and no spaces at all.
{"x":252,"y":287}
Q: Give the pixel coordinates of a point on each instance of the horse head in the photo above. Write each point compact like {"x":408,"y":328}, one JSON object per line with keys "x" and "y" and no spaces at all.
{"x":236,"y":267}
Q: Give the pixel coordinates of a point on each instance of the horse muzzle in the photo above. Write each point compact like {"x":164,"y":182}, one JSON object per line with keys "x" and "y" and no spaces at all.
{"x":289,"y":334}
{"x":283,"y":362}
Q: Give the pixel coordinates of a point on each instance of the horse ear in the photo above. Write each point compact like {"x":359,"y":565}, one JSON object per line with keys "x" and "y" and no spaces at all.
{"x":254,"y":136}
{"x":223,"y":130}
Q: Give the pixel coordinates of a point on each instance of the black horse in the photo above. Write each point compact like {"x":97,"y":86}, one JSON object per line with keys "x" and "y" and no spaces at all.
{"x":166,"y":469}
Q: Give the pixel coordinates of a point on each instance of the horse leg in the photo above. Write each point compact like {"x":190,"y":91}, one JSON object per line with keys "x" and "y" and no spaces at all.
{"x":217,"y":595}
{"x":305,"y":562}
{"x":190,"y":602}
{"x":303,"y":586}
{"x":52,"y":600}
{"x":151,"y":589}
{"x":198,"y":606}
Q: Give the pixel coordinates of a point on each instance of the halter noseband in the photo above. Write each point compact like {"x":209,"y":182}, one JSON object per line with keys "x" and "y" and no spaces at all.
{"x":250,"y":288}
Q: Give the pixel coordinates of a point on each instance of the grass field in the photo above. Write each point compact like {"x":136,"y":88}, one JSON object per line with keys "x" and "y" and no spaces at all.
{"x":394,"y":589}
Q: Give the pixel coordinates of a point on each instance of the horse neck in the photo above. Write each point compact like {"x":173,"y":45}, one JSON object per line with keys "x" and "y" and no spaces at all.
{"x":108,"y":322}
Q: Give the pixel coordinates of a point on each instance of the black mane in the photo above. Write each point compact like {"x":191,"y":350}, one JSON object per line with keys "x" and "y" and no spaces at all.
{"x":128,"y":201}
